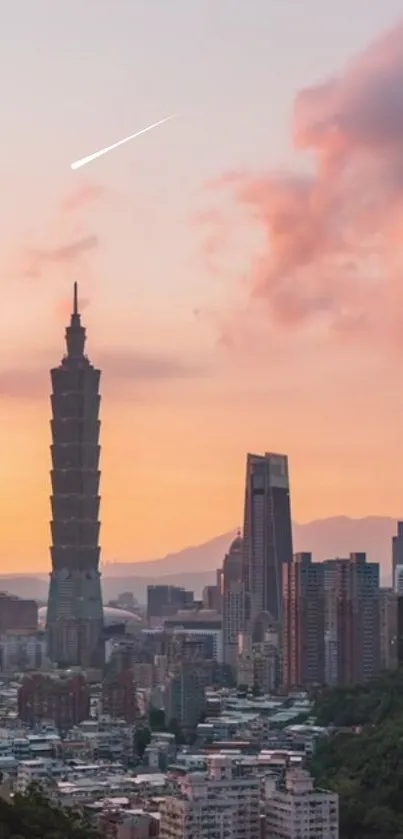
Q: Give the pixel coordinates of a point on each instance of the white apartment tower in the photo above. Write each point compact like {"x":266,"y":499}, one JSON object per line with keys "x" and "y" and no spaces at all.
{"x":213,"y":805}
{"x":300,"y":811}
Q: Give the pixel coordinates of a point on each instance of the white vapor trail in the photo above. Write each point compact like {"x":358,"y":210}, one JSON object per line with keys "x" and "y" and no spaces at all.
{"x":90,"y":157}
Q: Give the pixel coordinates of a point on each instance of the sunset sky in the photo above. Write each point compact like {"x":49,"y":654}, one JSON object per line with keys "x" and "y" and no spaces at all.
{"x":240,"y":268}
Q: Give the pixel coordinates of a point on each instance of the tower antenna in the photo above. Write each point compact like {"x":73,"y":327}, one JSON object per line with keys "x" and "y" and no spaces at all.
{"x":75,"y":299}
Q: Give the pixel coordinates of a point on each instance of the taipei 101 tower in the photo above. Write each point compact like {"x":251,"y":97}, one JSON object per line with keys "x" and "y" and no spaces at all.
{"x":74,"y":617}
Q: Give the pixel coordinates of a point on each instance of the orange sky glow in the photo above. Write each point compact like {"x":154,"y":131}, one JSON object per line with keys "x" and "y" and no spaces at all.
{"x":238,"y":308}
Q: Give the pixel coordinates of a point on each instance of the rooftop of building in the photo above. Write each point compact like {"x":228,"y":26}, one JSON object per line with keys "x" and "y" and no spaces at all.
{"x":187,"y":616}
{"x":112,"y":615}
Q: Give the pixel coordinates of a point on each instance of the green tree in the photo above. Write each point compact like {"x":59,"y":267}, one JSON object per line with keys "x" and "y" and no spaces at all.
{"x":175,"y":729}
{"x":156,"y":719}
{"x":142,"y":737}
{"x":34,"y":816}
{"x":363,"y":762}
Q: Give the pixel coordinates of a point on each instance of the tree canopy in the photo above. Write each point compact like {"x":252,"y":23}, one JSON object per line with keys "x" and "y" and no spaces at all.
{"x":364,"y":765}
{"x":34,"y":816}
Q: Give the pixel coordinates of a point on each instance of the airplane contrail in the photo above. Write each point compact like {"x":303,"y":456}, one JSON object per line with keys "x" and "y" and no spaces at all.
{"x":90,"y":157}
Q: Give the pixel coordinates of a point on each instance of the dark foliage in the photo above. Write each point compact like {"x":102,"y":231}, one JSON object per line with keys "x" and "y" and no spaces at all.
{"x":33,"y":816}
{"x":156,"y":719}
{"x":174,"y":728}
{"x":156,"y":723}
{"x":142,"y":738}
{"x":364,"y":765}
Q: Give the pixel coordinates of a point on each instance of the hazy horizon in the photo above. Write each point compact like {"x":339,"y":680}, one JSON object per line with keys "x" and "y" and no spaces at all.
{"x":327,"y":536}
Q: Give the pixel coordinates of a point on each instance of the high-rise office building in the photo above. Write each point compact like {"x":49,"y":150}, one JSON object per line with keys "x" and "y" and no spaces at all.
{"x":303,"y":626}
{"x":399,"y":640}
{"x":75,"y":615}
{"x":397,"y":550}
{"x":233,"y":601}
{"x":388,"y":600}
{"x":398,"y":579}
{"x":397,"y":570}
{"x":211,"y":598}
{"x":219,"y":584}
{"x":118,"y":697}
{"x":17,"y":614}
{"x":163,"y":600}
{"x":184,"y":696}
{"x":352,"y":627}
{"x":267,"y":537}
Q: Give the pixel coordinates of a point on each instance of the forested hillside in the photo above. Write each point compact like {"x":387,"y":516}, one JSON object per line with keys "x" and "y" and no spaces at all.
{"x":365,"y":765}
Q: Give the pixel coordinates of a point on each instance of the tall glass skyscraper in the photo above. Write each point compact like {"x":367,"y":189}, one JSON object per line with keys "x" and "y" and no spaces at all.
{"x":267,"y":536}
{"x":75,"y":615}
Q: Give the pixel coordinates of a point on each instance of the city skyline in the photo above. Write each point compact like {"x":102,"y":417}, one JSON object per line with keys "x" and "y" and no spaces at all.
{"x":192,"y":378}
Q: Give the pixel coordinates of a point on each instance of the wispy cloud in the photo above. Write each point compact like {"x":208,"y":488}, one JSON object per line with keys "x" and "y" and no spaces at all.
{"x":38,"y":259}
{"x":141,"y":366}
{"x":83,"y":195}
{"x":67,"y":241}
{"x":121,"y":371}
{"x":22,"y":383}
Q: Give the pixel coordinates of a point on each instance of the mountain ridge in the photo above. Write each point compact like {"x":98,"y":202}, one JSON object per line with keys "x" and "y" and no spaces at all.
{"x":324,"y":538}
{"x":195,"y":566}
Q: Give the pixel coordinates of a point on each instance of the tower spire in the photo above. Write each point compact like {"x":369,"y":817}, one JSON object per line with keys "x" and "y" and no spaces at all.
{"x":75,"y":332}
{"x":75,"y":299}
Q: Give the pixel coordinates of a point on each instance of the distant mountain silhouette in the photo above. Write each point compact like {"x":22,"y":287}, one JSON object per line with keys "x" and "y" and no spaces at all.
{"x":205,"y":557}
{"x":22,"y":585}
{"x":324,"y":538}
{"x":195,"y":567}
{"x":340,"y":536}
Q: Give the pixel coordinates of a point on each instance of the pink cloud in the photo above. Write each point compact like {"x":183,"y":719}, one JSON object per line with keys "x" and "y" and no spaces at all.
{"x":64,"y":305}
{"x":333,"y":239}
{"x":84,"y":194}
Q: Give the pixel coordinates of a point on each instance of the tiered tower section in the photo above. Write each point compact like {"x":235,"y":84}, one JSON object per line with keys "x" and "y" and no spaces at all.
{"x":75,"y":615}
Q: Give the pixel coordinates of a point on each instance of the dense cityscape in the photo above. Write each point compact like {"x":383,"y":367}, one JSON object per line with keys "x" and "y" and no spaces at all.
{"x":224,"y":181}
{"x":185,"y":718}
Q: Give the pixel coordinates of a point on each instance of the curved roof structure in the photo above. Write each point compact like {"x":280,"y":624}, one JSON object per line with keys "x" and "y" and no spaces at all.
{"x":112,"y":615}
{"x":236,"y":544}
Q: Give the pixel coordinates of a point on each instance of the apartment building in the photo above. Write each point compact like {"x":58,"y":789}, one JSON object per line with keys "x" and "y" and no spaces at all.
{"x":216,"y":804}
{"x":352,"y":630}
{"x":303,"y":638}
{"x":299,"y":811}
